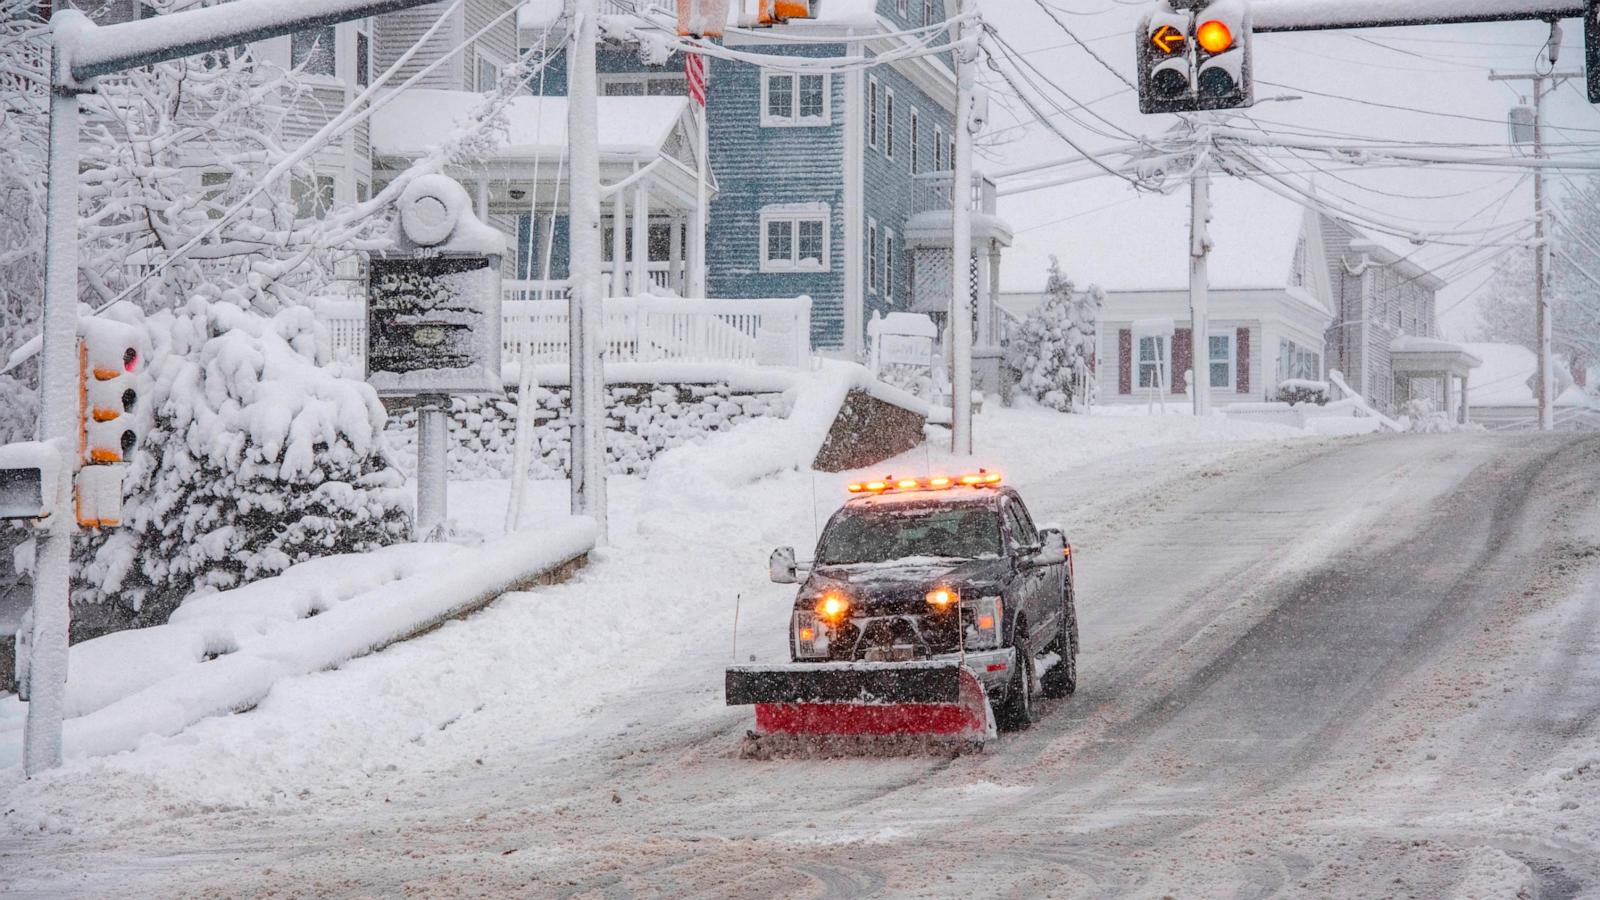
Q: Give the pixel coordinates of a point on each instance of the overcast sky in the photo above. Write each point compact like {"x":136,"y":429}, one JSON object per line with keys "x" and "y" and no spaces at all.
{"x":1443,"y":69}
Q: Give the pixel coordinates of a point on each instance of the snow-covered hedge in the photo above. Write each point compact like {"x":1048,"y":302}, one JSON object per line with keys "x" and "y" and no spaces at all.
{"x":256,"y":457}
{"x":1298,"y":390}
{"x":644,"y":420}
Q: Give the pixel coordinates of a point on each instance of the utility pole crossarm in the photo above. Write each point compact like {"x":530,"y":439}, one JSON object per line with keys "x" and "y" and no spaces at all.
{"x":1299,"y":15}
{"x":93,"y":50}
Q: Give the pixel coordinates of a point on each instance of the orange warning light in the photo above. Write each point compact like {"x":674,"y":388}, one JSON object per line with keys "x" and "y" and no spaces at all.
{"x":1213,"y":36}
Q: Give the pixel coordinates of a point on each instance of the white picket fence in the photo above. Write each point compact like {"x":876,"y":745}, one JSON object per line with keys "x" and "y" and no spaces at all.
{"x":637,"y":330}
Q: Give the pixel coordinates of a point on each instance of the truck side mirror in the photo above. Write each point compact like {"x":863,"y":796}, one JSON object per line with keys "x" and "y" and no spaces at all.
{"x":782,"y":567}
{"x":1053,"y":549}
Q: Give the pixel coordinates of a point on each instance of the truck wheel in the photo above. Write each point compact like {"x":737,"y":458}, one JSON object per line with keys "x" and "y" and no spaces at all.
{"x":1062,"y":678}
{"x":1017,"y":711}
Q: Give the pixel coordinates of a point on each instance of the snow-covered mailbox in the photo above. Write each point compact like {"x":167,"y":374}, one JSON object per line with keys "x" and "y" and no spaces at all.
{"x":433,"y":321}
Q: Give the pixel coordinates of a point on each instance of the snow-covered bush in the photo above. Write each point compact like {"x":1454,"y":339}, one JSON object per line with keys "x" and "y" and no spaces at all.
{"x":1295,"y":391}
{"x":1054,"y":348}
{"x":256,"y":458}
{"x":1423,"y":416}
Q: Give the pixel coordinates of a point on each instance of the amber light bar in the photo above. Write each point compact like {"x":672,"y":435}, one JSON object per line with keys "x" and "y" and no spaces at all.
{"x":980,"y":478}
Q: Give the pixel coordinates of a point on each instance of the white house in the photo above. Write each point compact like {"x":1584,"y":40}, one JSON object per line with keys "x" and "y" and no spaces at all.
{"x":1267,"y":318}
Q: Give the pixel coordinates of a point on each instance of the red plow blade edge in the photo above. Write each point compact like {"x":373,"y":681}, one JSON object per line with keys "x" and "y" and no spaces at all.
{"x":943,"y":701}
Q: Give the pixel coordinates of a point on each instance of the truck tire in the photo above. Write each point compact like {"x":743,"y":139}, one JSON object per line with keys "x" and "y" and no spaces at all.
{"x":1017,"y":711}
{"x":1062,"y":678}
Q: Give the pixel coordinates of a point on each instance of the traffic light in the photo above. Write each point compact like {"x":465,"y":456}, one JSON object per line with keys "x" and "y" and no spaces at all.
{"x":777,"y":12}
{"x":1196,"y":60}
{"x":1222,"y":38}
{"x":108,"y":390}
{"x":1166,"y":74}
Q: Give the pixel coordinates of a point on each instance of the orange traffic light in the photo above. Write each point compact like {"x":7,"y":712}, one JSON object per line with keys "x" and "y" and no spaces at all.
{"x":1213,"y":36}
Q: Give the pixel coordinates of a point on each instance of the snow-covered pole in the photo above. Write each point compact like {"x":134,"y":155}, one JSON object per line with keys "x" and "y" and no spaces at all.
{"x":585,"y":316}
{"x":1200,"y":283}
{"x":58,"y":413}
{"x":961,"y":242}
{"x":1541,"y":302}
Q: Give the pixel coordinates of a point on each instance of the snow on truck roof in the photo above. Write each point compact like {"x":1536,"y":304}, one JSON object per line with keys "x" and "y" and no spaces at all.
{"x":417,"y":120}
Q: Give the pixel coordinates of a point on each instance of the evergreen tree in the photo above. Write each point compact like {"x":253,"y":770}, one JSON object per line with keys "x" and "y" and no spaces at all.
{"x":1054,"y":349}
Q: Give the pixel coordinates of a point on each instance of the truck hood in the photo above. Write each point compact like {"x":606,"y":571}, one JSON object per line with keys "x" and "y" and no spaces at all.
{"x":901,"y":585}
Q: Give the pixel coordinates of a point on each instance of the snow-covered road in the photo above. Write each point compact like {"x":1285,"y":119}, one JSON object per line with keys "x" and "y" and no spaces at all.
{"x":1358,"y":667}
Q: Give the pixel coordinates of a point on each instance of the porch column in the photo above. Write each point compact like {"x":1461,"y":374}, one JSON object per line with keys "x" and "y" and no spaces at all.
{"x":1466,"y":414}
{"x":619,"y":248}
{"x":1449,"y":393}
{"x":641,"y":239}
{"x":675,"y":256}
{"x":483,"y":199}
{"x":994,"y":294}
{"x":980,"y":257}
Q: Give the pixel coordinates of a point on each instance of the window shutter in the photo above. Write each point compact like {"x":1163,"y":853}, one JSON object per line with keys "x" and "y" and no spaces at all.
{"x":1183,"y":358}
{"x":1241,"y":360}
{"x":1125,"y":361}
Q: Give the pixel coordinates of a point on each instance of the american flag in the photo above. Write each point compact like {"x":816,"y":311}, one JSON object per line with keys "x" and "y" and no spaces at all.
{"x":694,"y":69}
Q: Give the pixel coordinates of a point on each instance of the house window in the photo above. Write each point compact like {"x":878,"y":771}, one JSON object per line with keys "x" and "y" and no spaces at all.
{"x":789,"y":99}
{"x":888,"y":264}
{"x":314,"y":49}
{"x":213,"y":188}
{"x":927,"y":12}
{"x":1295,"y":361}
{"x":952,"y":152}
{"x":872,"y":256}
{"x":1221,"y":359}
{"x":916,"y":137}
{"x":363,"y":59}
{"x":938,"y":149}
{"x":888,"y":124}
{"x":363,"y":192}
{"x":1153,"y":361}
{"x":794,"y":239}
{"x":488,"y":73}
{"x":872,"y":113}
{"x":313,"y":197}
{"x":903,"y":7}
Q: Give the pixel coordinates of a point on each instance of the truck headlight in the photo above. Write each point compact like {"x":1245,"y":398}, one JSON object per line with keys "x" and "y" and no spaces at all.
{"x":983,"y":622}
{"x":810,"y":636}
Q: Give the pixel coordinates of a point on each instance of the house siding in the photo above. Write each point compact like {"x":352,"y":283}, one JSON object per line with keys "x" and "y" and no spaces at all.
{"x":500,"y":40}
{"x":395,"y":33}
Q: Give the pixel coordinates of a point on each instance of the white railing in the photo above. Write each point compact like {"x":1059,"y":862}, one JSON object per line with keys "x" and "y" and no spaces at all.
{"x":637,"y":330}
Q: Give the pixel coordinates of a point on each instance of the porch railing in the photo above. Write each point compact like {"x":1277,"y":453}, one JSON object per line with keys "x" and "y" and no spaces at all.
{"x":931,"y":192}
{"x":637,"y":330}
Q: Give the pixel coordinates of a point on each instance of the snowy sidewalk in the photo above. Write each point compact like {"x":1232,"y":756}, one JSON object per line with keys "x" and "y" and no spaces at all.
{"x":224,"y":652}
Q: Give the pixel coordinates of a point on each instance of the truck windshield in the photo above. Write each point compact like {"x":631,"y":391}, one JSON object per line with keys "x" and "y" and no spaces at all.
{"x":881,"y":535}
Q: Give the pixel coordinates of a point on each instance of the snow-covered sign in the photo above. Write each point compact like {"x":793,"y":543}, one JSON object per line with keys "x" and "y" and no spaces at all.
{"x":433,"y":305}
{"x":433,"y":325}
{"x":902,"y":339}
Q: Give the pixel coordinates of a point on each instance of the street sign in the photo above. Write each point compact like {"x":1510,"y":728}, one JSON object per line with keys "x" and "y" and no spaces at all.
{"x":433,"y":325}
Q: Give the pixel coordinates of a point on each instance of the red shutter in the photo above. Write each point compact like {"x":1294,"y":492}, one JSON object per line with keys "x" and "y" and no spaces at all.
{"x":1125,"y":361}
{"x":1182,"y":359}
{"x":1242,"y":360}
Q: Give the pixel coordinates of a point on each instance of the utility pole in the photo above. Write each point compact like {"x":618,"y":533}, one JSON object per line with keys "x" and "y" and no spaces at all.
{"x":961,"y":243}
{"x":1200,"y":282}
{"x":585,"y":316}
{"x":1543,"y":328}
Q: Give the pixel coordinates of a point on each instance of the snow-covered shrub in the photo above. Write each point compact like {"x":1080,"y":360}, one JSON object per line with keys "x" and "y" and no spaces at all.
{"x":1054,"y":347}
{"x":256,"y":458}
{"x":1295,"y":391}
{"x":1423,"y":416}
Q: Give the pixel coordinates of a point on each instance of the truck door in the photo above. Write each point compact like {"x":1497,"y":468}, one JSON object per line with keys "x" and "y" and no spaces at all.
{"x":1032,"y":582}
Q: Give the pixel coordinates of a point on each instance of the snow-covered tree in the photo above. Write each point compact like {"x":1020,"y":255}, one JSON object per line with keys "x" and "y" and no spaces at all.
{"x":1054,"y":348}
{"x":259,"y":455}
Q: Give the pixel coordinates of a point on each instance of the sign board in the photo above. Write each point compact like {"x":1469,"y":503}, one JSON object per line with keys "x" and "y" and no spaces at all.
{"x":433,"y":325}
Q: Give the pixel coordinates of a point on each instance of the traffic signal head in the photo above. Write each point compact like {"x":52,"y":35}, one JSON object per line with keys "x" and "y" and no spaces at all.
{"x":109,"y":390}
{"x":1222,"y":56}
{"x":1166,"y":74}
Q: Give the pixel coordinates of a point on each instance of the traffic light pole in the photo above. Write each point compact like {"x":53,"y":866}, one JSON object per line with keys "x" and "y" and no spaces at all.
{"x":1543,"y":327}
{"x":961,"y":245}
{"x":1200,"y":284}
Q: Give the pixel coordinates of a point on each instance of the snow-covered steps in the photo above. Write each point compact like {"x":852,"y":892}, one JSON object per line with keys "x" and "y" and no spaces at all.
{"x":224,"y":652}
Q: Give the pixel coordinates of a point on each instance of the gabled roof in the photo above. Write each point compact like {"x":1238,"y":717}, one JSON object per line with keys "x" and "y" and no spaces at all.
{"x":641,"y":128}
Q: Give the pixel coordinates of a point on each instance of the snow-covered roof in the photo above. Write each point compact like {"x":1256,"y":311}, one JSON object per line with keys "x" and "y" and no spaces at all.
{"x":1410,"y":343}
{"x":543,"y":13}
{"x":1506,"y":377}
{"x":1122,"y":240}
{"x":629,"y":126}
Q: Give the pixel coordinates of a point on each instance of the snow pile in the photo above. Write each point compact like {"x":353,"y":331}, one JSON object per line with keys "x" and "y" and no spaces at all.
{"x":643,"y":420}
{"x":246,"y":646}
{"x":256,"y":458}
{"x":1423,"y":416}
{"x":1054,"y":349}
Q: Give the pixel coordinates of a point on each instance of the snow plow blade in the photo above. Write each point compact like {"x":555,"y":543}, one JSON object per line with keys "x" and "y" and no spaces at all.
{"x":875,"y":702}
